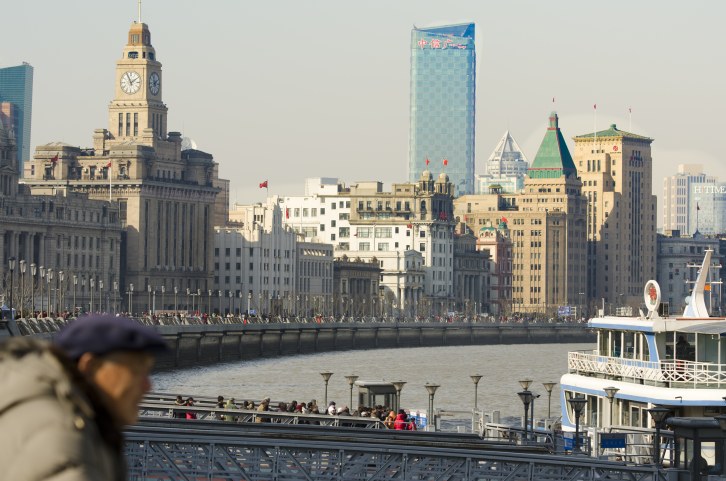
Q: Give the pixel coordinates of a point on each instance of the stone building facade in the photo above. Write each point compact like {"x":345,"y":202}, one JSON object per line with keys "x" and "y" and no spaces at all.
{"x":163,"y":196}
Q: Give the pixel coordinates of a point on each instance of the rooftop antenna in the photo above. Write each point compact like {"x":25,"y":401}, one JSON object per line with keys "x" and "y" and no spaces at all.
{"x":630,"y":116}
{"x":139,"y":11}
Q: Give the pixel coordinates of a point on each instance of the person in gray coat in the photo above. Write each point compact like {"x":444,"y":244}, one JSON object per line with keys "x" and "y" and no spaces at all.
{"x":63,"y":405}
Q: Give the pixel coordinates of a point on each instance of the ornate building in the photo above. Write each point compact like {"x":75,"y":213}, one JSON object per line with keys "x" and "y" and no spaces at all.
{"x":165,"y":197}
{"x":546,"y":223}
{"x":59,"y":251}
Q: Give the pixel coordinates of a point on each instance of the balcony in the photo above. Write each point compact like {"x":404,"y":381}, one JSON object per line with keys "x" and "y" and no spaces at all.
{"x":671,"y":373}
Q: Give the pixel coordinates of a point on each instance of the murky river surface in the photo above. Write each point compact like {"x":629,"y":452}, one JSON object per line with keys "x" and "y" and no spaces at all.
{"x":298,"y":377}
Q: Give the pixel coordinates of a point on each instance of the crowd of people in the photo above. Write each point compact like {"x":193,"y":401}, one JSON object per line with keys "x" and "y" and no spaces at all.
{"x":398,"y":420}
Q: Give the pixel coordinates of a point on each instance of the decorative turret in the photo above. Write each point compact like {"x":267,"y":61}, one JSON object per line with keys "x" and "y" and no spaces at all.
{"x":553,"y":158}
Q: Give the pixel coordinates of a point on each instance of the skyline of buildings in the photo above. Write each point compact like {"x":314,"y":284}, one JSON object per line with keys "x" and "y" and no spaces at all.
{"x":443,"y":103}
{"x":169,"y":201}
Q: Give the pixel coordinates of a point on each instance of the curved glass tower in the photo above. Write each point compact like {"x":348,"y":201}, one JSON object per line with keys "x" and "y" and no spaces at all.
{"x":443,"y":94}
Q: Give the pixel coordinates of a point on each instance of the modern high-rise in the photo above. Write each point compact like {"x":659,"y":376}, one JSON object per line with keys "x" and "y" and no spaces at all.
{"x":506,"y":168}
{"x":443,"y":94}
{"x":685,"y":193}
{"x":16,"y":106}
{"x":616,"y":169}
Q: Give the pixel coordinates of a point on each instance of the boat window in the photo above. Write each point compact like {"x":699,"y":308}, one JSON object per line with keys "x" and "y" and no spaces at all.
{"x":629,"y":345}
{"x":604,"y":343}
{"x":646,"y":349}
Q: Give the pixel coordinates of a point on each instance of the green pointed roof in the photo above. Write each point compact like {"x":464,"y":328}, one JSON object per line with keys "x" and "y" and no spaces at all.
{"x":553,"y":158}
{"x":613,"y":131}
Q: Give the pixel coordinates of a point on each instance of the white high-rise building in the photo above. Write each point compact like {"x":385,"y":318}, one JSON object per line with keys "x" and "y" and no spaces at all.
{"x":680,"y":196}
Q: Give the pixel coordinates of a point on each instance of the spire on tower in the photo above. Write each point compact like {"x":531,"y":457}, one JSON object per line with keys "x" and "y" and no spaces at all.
{"x":139,"y":11}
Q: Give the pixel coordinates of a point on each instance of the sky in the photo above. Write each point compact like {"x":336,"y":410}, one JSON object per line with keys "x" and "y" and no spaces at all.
{"x":282,"y":90}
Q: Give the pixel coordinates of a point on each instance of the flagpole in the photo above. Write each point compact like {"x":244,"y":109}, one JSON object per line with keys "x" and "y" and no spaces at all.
{"x":630,"y":116}
{"x":595,"y":125}
{"x":110,"y":181}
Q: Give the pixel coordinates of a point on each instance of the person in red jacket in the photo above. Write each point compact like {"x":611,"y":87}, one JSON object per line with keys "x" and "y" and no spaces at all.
{"x":400,"y":423}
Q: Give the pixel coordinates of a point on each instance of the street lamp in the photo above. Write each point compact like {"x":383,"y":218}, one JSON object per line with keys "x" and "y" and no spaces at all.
{"x":131,"y":299}
{"x":22,"y":286}
{"x":578,"y":404}
{"x":249,"y":299}
{"x":48,"y":278}
{"x":230,"y":307}
{"x":115,"y":296}
{"x":658,"y":414}
{"x":91,"y":288}
{"x":11,"y":261}
{"x":209,"y":301}
{"x":32,"y":288}
{"x":176,"y":291}
{"x":431,"y":422}
{"x":326,"y":377}
{"x":75,"y":285}
{"x":163,"y":291}
{"x":610,"y":392}
{"x":219,"y":300}
{"x":475,"y":379}
{"x":526,"y":397}
{"x":399,"y":387}
{"x":549,"y":386}
{"x":352,"y":378}
{"x":100,"y":295}
{"x":148,"y":290}
{"x":61,"y":278}
{"x":42,"y":277}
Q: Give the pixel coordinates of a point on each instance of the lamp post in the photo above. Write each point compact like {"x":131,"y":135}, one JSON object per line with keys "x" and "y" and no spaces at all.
{"x":115,"y":296}
{"x":75,"y":286}
{"x":219,"y":300}
{"x":431,"y":423}
{"x":526,"y":397}
{"x":11,"y":263}
{"x":61,"y":278}
{"x":209,"y":301}
{"x":131,"y":299}
{"x":230,"y":307}
{"x":32,"y":288}
{"x":548,"y":387}
{"x":83,"y":288}
{"x":176,"y":291}
{"x":100,"y":296}
{"x":399,"y":387}
{"x":352,"y":378}
{"x":475,"y":379}
{"x":22,"y":286}
{"x":48,"y":278}
{"x":148,"y":290}
{"x":249,"y":299}
{"x":189,"y":291}
{"x":578,"y":404}
{"x":326,"y":377}
{"x":42,"y":277}
{"x":658,"y":414}
{"x":610,"y":392}
{"x":91,"y":288}
{"x":525,"y":383}
{"x":163,"y":291}
{"x":153,"y":300}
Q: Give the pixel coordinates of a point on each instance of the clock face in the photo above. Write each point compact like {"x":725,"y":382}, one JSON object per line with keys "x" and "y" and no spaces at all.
{"x":130,"y":82}
{"x":154,"y":83}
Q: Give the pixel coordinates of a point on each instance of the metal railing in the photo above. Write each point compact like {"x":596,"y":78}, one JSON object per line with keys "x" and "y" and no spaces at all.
{"x":171,"y":454}
{"x":672,"y":372}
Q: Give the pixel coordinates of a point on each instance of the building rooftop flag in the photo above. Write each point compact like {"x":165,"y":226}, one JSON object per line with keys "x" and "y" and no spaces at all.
{"x":54,"y":159}
{"x":263,"y":185}
{"x":446,"y":161}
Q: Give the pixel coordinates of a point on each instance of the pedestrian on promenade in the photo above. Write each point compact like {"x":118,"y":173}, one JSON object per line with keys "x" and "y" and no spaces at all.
{"x":179,"y":402}
{"x":190,"y":414}
{"x":63,"y":406}
{"x":331,"y":408}
{"x":264,"y":406}
{"x":390,"y":420}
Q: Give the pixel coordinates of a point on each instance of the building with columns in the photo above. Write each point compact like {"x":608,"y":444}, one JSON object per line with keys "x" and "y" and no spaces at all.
{"x":471,"y":274}
{"x":616,"y":169}
{"x":65,"y":247}
{"x":496,"y":241}
{"x":163,"y":196}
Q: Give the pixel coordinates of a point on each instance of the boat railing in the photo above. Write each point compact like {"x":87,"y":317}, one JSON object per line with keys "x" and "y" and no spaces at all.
{"x":672,"y":372}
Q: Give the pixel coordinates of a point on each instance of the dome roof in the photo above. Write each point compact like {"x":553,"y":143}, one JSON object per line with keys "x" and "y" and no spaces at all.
{"x":426,"y":175}
{"x":443,"y":178}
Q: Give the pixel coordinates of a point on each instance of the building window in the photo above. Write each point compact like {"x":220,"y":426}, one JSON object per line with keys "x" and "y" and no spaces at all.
{"x":422,"y":247}
{"x":364,"y":246}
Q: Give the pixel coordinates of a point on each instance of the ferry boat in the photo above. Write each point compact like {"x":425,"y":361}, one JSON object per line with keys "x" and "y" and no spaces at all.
{"x":678,"y":363}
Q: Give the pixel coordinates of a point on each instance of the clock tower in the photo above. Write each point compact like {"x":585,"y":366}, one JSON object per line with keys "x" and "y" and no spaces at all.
{"x":137,"y":104}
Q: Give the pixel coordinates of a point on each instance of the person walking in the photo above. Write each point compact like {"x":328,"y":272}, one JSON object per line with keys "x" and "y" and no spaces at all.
{"x":64,"y":405}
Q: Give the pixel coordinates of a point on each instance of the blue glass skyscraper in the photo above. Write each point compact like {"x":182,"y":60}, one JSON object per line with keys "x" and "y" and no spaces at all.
{"x":16,"y":87}
{"x":443,"y":94}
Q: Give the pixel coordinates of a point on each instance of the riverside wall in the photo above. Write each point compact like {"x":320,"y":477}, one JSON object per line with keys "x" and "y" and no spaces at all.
{"x":207,"y":344}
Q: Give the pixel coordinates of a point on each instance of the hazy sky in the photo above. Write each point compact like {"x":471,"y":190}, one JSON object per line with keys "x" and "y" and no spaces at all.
{"x":283,"y":90}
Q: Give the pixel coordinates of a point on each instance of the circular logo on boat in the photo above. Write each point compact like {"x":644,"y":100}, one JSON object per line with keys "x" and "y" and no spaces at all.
{"x":651,"y":294}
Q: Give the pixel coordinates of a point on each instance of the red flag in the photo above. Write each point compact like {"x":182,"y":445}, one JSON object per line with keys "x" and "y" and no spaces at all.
{"x":409,"y":226}
{"x":54,"y":159}
{"x":446,"y":161}
{"x":427,"y":161}
{"x":109,"y":164}
{"x":504,"y":219}
{"x":263,"y":185}
{"x":287,"y":213}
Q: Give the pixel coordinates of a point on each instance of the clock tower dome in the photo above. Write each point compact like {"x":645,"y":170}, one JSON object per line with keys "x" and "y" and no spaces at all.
{"x":137,"y":112}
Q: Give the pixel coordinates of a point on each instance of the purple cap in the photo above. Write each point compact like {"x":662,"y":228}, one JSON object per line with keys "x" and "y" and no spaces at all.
{"x":102,"y":334}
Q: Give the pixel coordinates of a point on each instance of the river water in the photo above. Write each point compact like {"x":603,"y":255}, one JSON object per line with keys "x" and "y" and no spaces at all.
{"x":298,"y":377}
